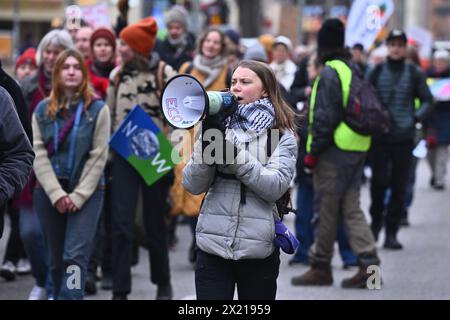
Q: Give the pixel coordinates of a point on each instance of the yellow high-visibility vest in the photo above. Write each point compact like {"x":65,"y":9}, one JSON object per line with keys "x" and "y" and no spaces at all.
{"x":345,"y":138}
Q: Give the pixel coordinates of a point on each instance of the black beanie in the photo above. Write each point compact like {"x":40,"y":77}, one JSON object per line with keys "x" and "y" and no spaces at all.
{"x":331,"y":35}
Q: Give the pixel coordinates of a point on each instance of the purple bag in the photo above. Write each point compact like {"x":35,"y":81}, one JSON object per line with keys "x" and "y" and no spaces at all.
{"x":284,"y":238}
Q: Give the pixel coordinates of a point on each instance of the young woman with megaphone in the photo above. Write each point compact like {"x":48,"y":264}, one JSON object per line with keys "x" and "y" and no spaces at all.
{"x":236,"y":229}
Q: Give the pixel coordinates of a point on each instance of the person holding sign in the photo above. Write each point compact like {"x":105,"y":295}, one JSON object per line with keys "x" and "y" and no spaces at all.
{"x":138,"y":81}
{"x":71,"y":129}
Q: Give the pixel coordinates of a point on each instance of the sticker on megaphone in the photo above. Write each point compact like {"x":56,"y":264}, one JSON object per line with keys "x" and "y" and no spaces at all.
{"x":185,"y":101}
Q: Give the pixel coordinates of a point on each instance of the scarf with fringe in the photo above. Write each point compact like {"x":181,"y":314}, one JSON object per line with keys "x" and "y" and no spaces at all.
{"x":252,"y":119}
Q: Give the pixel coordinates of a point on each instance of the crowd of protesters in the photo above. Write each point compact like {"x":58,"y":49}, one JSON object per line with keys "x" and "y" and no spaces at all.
{"x":78,"y":208}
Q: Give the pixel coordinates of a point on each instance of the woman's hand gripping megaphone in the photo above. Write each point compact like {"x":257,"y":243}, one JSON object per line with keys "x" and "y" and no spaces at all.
{"x":217,"y":121}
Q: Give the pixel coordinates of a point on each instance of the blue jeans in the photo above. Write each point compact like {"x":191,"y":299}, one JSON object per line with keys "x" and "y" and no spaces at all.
{"x":304,"y":228}
{"x":69,"y":237}
{"x":35,"y":247}
{"x":303,"y":221}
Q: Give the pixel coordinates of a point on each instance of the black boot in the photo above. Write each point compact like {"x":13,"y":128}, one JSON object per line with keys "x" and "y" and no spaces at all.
{"x":359,"y":280}
{"x":391,"y":241}
{"x":164,"y":292}
{"x":90,"y":286}
{"x":376,"y":228}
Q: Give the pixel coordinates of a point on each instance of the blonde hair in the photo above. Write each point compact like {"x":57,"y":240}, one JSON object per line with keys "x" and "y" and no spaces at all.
{"x":57,"y":98}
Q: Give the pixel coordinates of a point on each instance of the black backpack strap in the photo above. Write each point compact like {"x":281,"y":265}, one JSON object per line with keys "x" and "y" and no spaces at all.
{"x":269,"y":147}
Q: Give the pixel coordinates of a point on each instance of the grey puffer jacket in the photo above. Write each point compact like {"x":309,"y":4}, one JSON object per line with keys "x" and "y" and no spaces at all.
{"x":226,"y":227}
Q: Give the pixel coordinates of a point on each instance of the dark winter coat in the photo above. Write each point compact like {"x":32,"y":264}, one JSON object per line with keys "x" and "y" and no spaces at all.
{"x":398,"y":84}
{"x":440,"y":120}
{"x":328,"y":111}
{"x":14,"y":90}
{"x":172,"y":56}
{"x":16,"y":152}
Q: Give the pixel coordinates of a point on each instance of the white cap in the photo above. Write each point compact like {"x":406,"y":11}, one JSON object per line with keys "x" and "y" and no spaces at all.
{"x":283,"y":40}
{"x":441,"y":55}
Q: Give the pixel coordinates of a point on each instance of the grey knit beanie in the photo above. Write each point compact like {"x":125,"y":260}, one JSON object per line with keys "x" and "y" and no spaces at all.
{"x":177,"y":13}
{"x":256,"y":52}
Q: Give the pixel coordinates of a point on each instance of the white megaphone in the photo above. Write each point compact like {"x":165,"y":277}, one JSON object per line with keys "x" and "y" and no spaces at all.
{"x":185,"y":101}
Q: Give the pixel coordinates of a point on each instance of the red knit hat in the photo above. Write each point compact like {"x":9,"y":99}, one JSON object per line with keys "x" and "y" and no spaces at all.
{"x":104,"y":33}
{"x":141,"y":36}
{"x":29,"y":56}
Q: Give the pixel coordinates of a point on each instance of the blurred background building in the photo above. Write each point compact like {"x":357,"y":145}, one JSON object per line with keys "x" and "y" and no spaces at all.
{"x":26,"y":21}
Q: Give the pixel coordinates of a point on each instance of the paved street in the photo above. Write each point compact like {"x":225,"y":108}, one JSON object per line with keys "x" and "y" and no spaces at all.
{"x":420,"y":271}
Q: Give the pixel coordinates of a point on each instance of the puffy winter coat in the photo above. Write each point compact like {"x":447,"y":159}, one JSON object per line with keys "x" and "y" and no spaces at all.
{"x":227,"y":227}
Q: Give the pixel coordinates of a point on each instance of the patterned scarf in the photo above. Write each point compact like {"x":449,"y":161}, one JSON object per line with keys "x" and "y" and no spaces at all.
{"x":252,"y":119}
{"x":211,"y":68}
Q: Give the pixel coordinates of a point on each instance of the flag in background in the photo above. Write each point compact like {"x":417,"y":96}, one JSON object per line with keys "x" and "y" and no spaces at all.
{"x":366,"y":20}
{"x":440,"y":88}
{"x":139,"y":141}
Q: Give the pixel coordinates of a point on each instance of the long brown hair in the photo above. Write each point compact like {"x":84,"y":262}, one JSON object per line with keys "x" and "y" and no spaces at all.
{"x":284,"y":115}
{"x":205,"y":34}
{"x":57,"y":97}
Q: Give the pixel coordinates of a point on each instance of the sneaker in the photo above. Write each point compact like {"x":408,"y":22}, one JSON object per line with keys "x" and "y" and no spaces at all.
{"x":23,"y":267}
{"x":8,"y":271}
{"x":164,"y":292}
{"x":368,"y":172}
{"x":38,"y":293}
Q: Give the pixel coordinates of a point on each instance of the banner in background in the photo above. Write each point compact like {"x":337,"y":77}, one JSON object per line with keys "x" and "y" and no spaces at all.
{"x":366,"y":20}
{"x":440,"y":88}
{"x":423,"y":38}
{"x":96,"y":15}
{"x":139,"y":141}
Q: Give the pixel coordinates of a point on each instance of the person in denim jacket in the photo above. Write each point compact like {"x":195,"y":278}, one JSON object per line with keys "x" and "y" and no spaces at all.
{"x":71,"y":134}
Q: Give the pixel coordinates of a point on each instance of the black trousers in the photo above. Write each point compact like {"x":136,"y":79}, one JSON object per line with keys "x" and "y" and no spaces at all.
{"x":391,"y":166}
{"x":14,"y":248}
{"x":101,"y":246}
{"x":126,"y":183}
{"x":256,"y":279}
